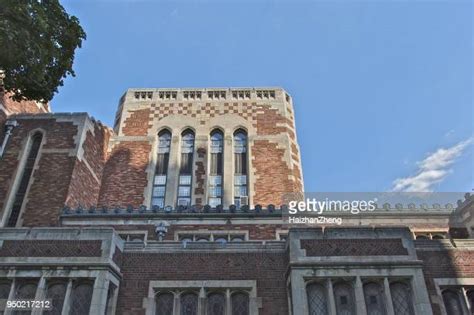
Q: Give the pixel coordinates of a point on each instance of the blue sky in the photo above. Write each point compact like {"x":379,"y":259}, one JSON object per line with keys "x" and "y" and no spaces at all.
{"x":383,"y":90}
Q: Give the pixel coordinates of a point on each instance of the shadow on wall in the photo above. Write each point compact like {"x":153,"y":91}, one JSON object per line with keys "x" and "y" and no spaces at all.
{"x":124,"y":177}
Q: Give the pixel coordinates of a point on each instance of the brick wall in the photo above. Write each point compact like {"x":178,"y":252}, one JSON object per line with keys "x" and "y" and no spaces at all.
{"x":445,"y":264}
{"x":87,"y":176}
{"x":125,"y":178}
{"x":62,"y":176}
{"x":268,"y":269}
{"x":16,"y":107}
{"x":50,"y":180}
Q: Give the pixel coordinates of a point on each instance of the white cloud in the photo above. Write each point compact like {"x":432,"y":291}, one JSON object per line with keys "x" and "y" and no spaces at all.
{"x":432,"y":170}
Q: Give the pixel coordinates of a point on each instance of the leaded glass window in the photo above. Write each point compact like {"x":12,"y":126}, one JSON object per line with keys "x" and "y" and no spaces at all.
{"x":25,"y":179}
{"x":374,"y":298}
{"x":164,"y":304}
{"x":470,"y":298}
{"x":81,"y":297}
{"x":344,"y":298}
{"x":4,"y":289}
{"x":189,"y":304}
{"x":161,"y":171}
{"x":56,"y":292}
{"x":317,"y":302}
{"x":240,"y":303}
{"x":216,"y":169}
{"x":452,"y":302}
{"x":401,"y":298}
{"x":25,"y":291}
{"x":216,"y":304}
{"x":186,"y":168}
{"x":240,"y":167}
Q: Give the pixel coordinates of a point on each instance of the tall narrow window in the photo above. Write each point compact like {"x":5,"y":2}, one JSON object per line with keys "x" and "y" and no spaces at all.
{"x":186,"y":168}
{"x":26,"y":291}
{"x":240,"y":168}
{"x":159,"y":182}
{"x":56,"y":292}
{"x":81,"y":296}
{"x":164,"y":304}
{"x":215,"y":172}
{"x":401,"y":298}
{"x":25,"y":179}
{"x":452,"y":302}
{"x":374,"y":298}
{"x":216,"y":304}
{"x":240,"y":303}
{"x":189,"y":304}
{"x":317,"y":303}
{"x":344,"y":298}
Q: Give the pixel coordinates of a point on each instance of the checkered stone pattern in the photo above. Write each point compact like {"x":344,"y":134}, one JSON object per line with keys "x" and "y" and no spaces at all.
{"x":249,"y":111}
{"x":353,"y":247}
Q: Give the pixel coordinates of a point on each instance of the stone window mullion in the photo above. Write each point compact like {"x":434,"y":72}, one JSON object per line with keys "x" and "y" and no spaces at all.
{"x":388,"y":297}
{"x":40,"y":294}
{"x":11,"y":295}
{"x":177,"y":304}
{"x":359,"y":297}
{"x":330,"y":295}
{"x":228,"y":302}
{"x":67,"y":298}
{"x":466,"y":303}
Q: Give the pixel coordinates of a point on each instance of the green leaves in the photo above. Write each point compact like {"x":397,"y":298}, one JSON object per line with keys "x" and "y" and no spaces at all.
{"x":37,"y":44}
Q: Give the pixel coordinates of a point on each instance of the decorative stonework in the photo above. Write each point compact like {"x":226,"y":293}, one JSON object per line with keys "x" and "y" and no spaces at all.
{"x":49,"y":248}
{"x":353,"y":247}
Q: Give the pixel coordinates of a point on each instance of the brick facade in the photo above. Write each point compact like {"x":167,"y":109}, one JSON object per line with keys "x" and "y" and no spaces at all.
{"x":266,"y":268}
{"x":98,"y":173}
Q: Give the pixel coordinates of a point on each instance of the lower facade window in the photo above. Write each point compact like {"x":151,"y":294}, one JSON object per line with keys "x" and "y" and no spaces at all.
{"x":56,"y":292}
{"x":374,"y":298}
{"x":342,"y":297}
{"x":458,"y":299}
{"x":210,"y":297}
{"x":401,"y":298}
{"x":240,"y":303}
{"x":452,"y":302}
{"x":317,"y":300}
{"x":81,"y":298}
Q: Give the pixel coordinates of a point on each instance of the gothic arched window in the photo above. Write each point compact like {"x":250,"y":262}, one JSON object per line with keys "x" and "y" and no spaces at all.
{"x":240,"y":168}
{"x":344,"y":298}
{"x":186,"y":168}
{"x":81,"y":298}
{"x":189,"y":304}
{"x":26,"y":290}
{"x":164,"y":304}
{"x":161,"y":171}
{"x":317,"y":302}
{"x":216,"y":304}
{"x":452,"y":302}
{"x":374,"y":298}
{"x":240,"y":303}
{"x":27,"y":171}
{"x":56,"y":293}
{"x":216,"y":168}
{"x":401,"y":298}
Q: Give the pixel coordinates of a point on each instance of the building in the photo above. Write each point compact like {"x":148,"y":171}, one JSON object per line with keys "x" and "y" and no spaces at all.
{"x":178,"y":210}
